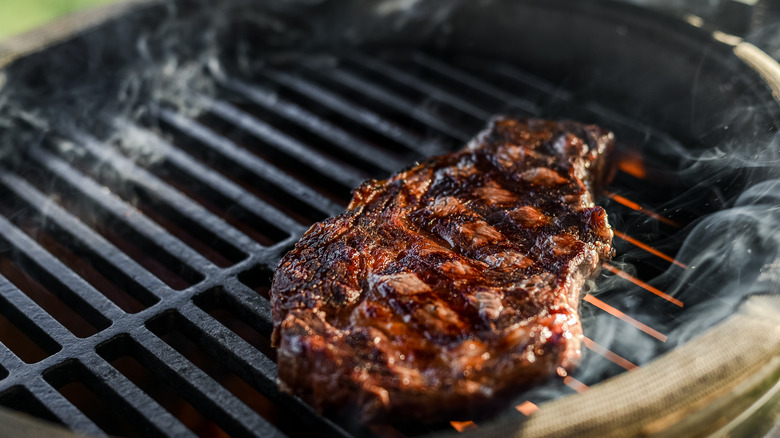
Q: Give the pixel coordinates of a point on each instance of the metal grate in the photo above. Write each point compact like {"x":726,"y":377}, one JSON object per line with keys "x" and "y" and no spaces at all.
{"x":135,"y":274}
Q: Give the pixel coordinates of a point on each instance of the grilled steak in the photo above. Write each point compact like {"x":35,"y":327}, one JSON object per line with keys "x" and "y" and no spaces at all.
{"x":451,"y":283}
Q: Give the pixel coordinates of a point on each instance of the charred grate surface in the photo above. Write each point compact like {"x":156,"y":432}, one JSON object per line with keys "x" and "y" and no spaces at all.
{"x":135,"y":274}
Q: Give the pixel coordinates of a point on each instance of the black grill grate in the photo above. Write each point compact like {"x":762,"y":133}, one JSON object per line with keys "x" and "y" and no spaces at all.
{"x":135,"y":273}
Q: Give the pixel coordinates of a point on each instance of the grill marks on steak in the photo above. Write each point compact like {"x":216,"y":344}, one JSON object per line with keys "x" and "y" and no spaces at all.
{"x":450,"y":283}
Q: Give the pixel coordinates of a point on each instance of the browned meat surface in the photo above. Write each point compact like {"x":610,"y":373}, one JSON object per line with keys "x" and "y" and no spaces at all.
{"x":449,"y":284}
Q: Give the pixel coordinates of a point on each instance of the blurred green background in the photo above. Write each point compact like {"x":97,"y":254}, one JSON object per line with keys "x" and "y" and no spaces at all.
{"x":17,"y":16}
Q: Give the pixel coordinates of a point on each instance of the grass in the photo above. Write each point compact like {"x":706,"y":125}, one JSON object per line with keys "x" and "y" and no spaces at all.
{"x":17,"y":16}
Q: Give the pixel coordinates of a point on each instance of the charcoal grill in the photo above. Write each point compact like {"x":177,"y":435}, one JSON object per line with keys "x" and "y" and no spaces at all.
{"x":140,"y":220}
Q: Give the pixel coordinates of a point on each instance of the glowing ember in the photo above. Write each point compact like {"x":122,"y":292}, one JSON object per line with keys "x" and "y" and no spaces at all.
{"x":634,"y":206}
{"x":642,"y":284}
{"x":617,"y":313}
{"x":649,"y":249}
{"x":603,"y":351}
{"x":460,"y":426}
{"x":632,"y":164}
{"x":575,"y":384}
{"x":527,"y":408}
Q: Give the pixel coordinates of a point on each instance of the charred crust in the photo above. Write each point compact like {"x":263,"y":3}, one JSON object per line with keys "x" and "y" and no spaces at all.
{"x":452,"y":283}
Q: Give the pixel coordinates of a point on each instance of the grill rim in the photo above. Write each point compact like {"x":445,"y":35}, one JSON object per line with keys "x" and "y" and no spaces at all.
{"x":74,"y":25}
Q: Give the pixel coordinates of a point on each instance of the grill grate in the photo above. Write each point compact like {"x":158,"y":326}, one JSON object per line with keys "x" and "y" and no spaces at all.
{"x":135,"y":273}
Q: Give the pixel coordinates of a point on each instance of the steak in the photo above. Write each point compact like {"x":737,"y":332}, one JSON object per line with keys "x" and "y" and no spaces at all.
{"x":450,"y":284}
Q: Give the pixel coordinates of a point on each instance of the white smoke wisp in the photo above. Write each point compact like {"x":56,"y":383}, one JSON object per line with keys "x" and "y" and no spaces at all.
{"x":731,"y":254}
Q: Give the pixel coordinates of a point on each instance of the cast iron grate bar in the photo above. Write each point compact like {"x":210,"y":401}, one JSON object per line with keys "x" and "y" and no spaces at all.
{"x":131,"y":172}
{"x":513,"y":102}
{"x":240,"y":351}
{"x":379,"y":66}
{"x":36,"y":344}
{"x":201,"y":390}
{"x":90,"y":386}
{"x":144,"y":410}
{"x":337,"y":136}
{"x":61,"y":408}
{"x":380,"y":94}
{"x":242,"y":157}
{"x":90,"y":300}
{"x":150,"y":284}
{"x":8,"y":360}
{"x":252,"y":365}
{"x":42,"y":319}
{"x":216,"y":181}
{"x":529,"y":82}
{"x":191,"y":263}
{"x":342,"y":173}
{"x":359,"y":114}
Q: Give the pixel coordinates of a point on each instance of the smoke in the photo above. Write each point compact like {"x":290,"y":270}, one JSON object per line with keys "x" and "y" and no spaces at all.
{"x":173,"y":54}
{"x":731,"y":254}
